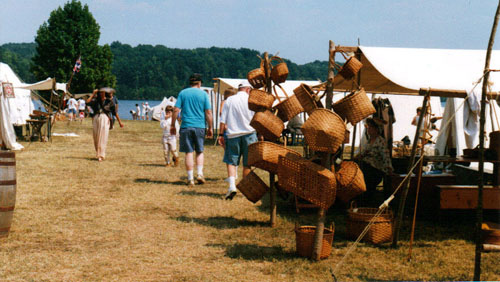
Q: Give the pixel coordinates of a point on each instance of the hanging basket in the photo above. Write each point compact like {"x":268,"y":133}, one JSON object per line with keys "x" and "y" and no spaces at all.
{"x":267,"y":124}
{"x":252,"y":187}
{"x":288,"y":108}
{"x":307,"y":98}
{"x":307,"y":180}
{"x":304,"y":239}
{"x":350,"y":68}
{"x":279,"y":72}
{"x":259,"y":100}
{"x":264,"y":155}
{"x":354,"y":107}
{"x":350,"y":181}
{"x":324,"y":131}
{"x":257,"y":77}
{"x":379,"y":232}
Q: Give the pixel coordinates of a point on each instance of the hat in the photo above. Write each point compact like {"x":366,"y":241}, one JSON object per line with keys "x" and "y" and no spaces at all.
{"x":195,"y":77}
{"x":244,"y":84}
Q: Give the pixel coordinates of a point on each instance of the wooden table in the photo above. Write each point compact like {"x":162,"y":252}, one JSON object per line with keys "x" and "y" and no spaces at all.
{"x":36,"y":128}
{"x":465,"y":197}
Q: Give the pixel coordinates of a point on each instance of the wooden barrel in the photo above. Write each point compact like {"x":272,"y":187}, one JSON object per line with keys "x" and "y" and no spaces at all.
{"x":7,"y":190}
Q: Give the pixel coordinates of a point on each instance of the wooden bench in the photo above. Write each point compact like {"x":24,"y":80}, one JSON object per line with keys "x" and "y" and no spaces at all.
{"x":465,"y":197}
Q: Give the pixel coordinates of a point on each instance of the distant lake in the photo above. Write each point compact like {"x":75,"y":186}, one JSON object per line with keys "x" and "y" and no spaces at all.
{"x":126,"y":105}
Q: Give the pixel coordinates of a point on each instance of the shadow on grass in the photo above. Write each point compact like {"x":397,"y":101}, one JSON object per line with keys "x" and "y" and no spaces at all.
{"x":208,"y":194}
{"x":153,"y":165}
{"x":83,"y":158}
{"x":146,"y":180}
{"x":255,"y":252}
{"x":223,"y":222}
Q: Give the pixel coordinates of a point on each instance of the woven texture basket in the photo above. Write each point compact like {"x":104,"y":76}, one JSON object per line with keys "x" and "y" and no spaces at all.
{"x":307,"y":98}
{"x":259,"y":100}
{"x":304,"y":239}
{"x":350,"y":181}
{"x":307,"y":180}
{"x":354,"y":107}
{"x":264,"y":155}
{"x":324,"y":131}
{"x":267,"y":124}
{"x":252,"y":187}
{"x":350,"y":68}
{"x":379,"y":232}
{"x":288,"y":108}
{"x":257,"y":77}
{"x":279,"y":72}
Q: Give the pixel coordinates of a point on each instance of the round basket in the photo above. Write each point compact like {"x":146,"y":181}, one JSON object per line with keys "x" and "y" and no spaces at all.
{"x":350,"y":68}
{"x":324,"y":131}
{"x":267,"y":124}
{"x":257,"y":77}
{"x":304,"y":239}
{"x":350,"y":181}
{"x":259,"y":100}
{"x":307,"y":98}
{"x":265,"y":155}
{"x":279,"y":72}
{"x":354,"y":107}
{"x":379,"y":232}
{"x":289,"y":108}
{"x":252,"y":187}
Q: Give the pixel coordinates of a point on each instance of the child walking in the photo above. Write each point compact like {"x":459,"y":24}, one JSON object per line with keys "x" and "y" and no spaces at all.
{"x":169,"y":141}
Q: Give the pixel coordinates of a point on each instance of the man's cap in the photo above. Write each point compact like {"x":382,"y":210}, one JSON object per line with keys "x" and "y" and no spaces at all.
{"x":244,"y":84}
{"x":195,"y":77}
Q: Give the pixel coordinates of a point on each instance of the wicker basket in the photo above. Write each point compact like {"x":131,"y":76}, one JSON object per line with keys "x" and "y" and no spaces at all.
{"x":324,"y":131}
{"x":257,"y":77}
{"x":307,"y":98}
{"x":252,"y":187}
{"x":350,"y":181}
{"x":267,"y":124}
{"x":259,"y":100}
{"x":264,"y":155}
{"x":379,"y":232}
{"x":350,"y":68}
{"x":304,"y":239}
{"x":354,"y":107}
{"x":279,"y":72}
{"x":288,"y":108}
{"x":307,"y":180}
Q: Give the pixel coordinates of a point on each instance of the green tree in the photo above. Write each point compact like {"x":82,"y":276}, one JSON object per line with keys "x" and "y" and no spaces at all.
{"x":71,"y":32}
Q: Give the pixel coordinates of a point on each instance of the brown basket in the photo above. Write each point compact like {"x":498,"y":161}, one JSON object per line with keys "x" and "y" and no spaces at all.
{"x":354,"y":107}
{"x":279,"y":72}
{"x":307,"y":180}
{"x":257,"y":77}
{"x":267,"y":124}
{"x":304,"y":239}
{"x":307,"y":98}
{"x":350,"y":68}
{"x":379,"y":232}
{"x":350,"y":181}
{"x":288,"y":108}
{"x":264,"y":155}
{"x":324,"y":131}
{"x":259,"y":100}
{"x":252,"y":187}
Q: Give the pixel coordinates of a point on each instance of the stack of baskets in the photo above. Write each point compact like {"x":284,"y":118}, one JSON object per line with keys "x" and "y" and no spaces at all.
{"x":379,"y":232}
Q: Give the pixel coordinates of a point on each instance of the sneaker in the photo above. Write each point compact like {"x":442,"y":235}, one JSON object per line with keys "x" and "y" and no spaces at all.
{"x":230,"y":194}
{"x":190,"y":183}
{"x":200,"y":179}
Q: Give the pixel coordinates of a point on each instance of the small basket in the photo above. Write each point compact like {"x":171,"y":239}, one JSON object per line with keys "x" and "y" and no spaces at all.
{"x":324,"y":131}
{"x":288,"y":108}
{"x":264,"y":155}
{"x":267,"y":124}
{"x":350,"y":68}
{"x":379,"y":232}
{"x":257,"y":77}
{"x":252,"y":187}
{"x":307,"y":180}
{"x":304,"y":239}
{"x":279,"y":72}
{"x":350,"y":181}
{"x":354,"y":107}
{"x":259,"y":100}
{"x":307,"y":98}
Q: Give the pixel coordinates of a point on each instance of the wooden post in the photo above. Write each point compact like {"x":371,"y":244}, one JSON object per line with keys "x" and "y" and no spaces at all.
{"x":479,"y":210}
{"x":331,"y":76}
{"x":406,"y":185}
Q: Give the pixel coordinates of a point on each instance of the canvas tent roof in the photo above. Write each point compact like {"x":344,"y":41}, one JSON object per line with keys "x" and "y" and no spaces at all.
{"x":44,"y":85}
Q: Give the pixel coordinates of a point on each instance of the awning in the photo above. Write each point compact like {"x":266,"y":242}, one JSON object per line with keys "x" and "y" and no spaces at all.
{"x":46,"y":84}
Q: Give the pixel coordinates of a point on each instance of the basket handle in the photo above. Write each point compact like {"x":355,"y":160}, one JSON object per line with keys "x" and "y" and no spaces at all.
{"x":276,"y":92}
{"x":278,"y":59}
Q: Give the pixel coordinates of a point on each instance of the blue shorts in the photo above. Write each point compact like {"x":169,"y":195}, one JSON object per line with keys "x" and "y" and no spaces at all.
{"x":191,"y":139}
{"x":72,"y":111}
{"x":238,"y":147}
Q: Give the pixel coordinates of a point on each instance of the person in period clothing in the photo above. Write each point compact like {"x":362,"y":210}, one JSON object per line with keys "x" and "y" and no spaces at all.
{"x":196,"y":116}
{"x":235,"y":122}
{"x":169,"y":141}
{"x":102,"y":107}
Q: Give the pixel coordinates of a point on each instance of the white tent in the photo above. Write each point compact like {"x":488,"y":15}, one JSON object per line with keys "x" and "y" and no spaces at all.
{"x":157,"y":110}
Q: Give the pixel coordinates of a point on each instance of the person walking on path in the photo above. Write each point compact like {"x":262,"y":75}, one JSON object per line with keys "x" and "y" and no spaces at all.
{"x":169,"y":141}
{"x":72,"y":107}
{"x":102,"y":106}
{"x":196,"y":116}
{"x":81,"y":109}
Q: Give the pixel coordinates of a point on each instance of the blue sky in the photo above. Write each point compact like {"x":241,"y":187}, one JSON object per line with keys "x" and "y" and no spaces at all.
{"x":298,"y":29}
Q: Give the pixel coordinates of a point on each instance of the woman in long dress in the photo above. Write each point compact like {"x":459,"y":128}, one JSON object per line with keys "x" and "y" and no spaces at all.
{"x":102,"y":106}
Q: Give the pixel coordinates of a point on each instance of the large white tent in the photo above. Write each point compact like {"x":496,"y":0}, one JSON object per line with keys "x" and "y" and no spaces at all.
{"x":21,"y":106}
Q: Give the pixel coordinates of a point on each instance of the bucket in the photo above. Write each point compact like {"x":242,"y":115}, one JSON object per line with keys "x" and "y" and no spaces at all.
{"x":7,"y":191}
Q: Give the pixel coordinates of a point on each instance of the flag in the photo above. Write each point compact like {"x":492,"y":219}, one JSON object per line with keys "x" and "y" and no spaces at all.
{"x":78,"y":65}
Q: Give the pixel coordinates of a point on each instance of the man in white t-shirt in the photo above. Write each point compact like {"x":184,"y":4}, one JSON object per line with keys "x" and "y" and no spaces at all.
{"x":235,"y":124}
{"x":72,"y":106}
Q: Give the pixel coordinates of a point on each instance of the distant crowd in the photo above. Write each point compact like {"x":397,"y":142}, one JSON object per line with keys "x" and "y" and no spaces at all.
{"x":142,"y":112}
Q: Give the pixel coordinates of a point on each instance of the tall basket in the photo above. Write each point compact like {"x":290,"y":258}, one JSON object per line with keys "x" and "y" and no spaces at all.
{"x":289,"y":107}
{"x":350,"y":181}
{"x":267,"y":124}
{"x":252,"y":187}
{"x":354,"y":107}
{"x":324,"y":131}
{"x":264,"y":155}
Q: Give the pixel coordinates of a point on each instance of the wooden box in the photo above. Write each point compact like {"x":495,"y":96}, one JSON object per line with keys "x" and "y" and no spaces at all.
{"x":465,"y":197}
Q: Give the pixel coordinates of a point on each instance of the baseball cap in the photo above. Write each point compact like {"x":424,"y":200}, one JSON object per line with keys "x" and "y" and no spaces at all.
{"x":244,"y":84}
{"x":195,"y":77}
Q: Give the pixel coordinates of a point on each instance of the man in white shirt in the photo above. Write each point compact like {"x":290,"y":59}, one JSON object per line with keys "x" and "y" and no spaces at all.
{"x":72,"y":105}
{"x":235,"y":124}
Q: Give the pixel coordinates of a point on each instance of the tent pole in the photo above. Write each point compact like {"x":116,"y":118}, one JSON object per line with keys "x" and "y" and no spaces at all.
{"x":479,"y":210}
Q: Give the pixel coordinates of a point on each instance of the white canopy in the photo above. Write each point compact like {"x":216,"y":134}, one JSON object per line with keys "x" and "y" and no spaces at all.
{"x":44,"y":85}
{"x":157,"y":110}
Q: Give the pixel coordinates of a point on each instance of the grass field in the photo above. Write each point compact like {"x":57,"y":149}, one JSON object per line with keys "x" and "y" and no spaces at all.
{"x":130,"y":218}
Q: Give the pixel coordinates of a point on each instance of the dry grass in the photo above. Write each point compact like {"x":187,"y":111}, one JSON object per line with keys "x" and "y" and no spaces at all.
{"x":131,"y":219}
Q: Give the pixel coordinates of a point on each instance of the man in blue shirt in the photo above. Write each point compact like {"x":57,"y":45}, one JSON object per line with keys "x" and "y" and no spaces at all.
{"x":196,"y":116}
